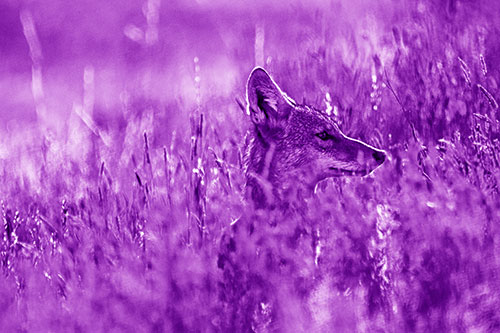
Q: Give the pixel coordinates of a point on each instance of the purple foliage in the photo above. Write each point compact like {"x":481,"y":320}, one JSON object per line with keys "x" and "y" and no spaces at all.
{"x":122,"y":167}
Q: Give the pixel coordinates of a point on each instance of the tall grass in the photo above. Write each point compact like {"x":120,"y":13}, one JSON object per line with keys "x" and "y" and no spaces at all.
{"x":115,"y":225}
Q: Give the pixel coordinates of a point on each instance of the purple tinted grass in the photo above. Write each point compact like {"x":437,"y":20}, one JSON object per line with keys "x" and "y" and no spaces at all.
{"x":119,"y":224}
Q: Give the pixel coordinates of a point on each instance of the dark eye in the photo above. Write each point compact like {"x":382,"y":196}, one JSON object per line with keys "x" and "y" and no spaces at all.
{"x":323,"y":135}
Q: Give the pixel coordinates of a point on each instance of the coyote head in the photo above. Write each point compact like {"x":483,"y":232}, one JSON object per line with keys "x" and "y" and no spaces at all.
{"x":297,"y":144}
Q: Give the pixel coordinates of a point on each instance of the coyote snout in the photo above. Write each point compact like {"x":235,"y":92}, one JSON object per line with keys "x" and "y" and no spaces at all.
{"x":296,"y":145}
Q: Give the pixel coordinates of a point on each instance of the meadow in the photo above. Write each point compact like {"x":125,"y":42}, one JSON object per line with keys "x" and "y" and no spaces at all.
{"x":121,"y":173}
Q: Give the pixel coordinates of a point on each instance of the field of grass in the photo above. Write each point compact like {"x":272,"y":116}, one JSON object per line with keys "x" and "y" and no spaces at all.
{"x":121,"y":170}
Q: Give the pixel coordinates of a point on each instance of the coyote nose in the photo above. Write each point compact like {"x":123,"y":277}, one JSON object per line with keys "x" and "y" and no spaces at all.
{"x":379,"y":156}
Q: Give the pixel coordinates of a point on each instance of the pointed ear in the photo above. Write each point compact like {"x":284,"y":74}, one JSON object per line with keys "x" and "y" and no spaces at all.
{"x":265,"y":101}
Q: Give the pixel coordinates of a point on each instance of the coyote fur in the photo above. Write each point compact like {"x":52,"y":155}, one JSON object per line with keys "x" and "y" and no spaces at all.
{"x":292,"y":147}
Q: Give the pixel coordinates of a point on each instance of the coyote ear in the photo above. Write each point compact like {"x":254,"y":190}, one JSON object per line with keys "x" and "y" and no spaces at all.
{"x":265,"y":100}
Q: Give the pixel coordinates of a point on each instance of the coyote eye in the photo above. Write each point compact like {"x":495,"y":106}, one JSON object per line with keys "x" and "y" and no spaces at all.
{"x":323,"y":135}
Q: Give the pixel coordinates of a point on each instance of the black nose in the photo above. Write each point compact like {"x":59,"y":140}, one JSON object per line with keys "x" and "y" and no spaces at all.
{"x":379,"y":156}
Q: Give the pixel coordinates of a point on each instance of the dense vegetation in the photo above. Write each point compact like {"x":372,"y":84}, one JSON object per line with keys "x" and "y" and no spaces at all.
{"x":117,"y":210}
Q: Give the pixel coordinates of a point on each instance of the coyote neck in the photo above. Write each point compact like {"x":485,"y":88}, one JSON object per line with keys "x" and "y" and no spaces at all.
{"x":259,"y":161}
{"x":266,"y":186}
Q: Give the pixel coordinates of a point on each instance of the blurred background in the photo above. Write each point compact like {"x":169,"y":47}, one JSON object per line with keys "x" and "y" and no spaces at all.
{"x":160,"y":49}
{"x":102,"y":54}
{"x":121,"y":144}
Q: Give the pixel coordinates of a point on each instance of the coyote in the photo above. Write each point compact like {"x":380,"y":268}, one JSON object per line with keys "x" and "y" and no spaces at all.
{"x":292,"y":147}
